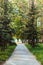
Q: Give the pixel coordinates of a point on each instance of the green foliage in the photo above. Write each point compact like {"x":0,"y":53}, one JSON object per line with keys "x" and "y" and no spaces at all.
{"x":6,"y":31}
{"x":15,"y":15}
{"x":22,"y":13}
{"x":31,"y":25}
{"x":4,"y":55}
{"x":37,"y":51}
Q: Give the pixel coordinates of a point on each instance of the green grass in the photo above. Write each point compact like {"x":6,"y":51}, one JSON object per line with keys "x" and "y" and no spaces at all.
{"x":37,"y":51}
{"x":4,"y":55}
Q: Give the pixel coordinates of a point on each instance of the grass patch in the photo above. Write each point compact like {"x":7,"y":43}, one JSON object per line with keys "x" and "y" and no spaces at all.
{"x":4,"y":55}
{"x":37,"y":51}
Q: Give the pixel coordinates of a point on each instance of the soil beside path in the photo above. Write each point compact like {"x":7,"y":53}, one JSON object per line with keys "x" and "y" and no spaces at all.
{"x":21,"y":56}
{"x":1,"y":63}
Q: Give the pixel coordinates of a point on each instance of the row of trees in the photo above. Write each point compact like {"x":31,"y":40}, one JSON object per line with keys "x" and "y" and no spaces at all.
{"x":32,"y":26}
{"x":18,"y":17}
{"x":29,"y":29}
{"x":30,"y":32}
{"x":6,"y":32}
{"x":25,"y":20}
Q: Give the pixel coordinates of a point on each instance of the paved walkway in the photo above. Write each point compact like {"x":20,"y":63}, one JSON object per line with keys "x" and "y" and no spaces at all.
{"x":21,"y":56}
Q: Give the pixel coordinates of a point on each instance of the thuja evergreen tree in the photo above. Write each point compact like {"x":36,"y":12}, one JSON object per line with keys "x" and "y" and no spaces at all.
{"x":31,"y":26}
{"x":5,"y":30}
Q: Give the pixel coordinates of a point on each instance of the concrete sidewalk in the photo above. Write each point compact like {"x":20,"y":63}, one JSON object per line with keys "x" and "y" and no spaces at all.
{"x":21,"y":56}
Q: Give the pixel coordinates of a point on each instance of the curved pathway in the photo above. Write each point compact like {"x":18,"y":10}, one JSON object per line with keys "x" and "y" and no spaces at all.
{"x":21,"y":56}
